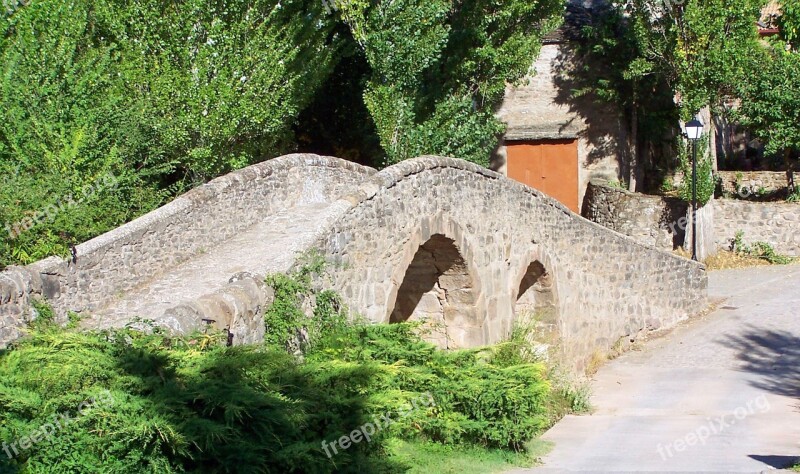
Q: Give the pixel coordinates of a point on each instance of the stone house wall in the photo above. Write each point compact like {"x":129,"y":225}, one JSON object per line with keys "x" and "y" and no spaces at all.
{"x":541,"y":108}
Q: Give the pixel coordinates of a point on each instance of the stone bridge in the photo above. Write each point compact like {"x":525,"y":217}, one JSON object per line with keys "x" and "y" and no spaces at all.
{"x":433,"y":239}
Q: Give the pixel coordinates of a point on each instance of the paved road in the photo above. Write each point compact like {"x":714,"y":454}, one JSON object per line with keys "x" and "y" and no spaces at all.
{"x":720,"y":394}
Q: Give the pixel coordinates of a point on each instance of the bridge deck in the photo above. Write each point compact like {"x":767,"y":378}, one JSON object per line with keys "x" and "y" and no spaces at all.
{"x":267,"y":247}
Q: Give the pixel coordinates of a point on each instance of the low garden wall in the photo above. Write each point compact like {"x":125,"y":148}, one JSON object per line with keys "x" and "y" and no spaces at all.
{"x":777,"y":223}
{"x":661,"y":222}
{"x":652,"y":220}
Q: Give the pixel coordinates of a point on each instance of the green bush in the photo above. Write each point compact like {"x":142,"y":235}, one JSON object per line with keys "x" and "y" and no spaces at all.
{"x":189,"y":404}
{"x":762,"y":250}
{"x":493,"y":397}
{"x":705,"y":175}
{"x":177,"y":406}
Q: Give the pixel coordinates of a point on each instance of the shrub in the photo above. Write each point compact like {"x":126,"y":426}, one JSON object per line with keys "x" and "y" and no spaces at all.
{"x":762,"y":250}
{"x":190,"y":404}
{"x":177,"y":407}
{"x":493,"y":397}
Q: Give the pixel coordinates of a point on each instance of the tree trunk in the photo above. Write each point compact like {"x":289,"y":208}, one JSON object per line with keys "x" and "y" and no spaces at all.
{"x":635,"y":172}
{"x":711,"y":129}
{"x":787,"y":158}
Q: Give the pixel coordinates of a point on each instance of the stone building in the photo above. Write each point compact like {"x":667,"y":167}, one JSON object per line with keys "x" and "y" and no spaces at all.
{"x":556,"y":143}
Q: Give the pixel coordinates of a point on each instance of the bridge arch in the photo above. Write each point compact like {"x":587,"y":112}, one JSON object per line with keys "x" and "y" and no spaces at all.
{"x":436,"y":282}
{"x":370,"y":226}
{"x":536,"y":302}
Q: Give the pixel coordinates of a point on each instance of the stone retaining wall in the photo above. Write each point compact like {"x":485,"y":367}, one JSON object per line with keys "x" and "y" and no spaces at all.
{"x":777,"y":223}
{"x":652,"y":220}
{"x":746,"y":184}
{"x":661,"y":222}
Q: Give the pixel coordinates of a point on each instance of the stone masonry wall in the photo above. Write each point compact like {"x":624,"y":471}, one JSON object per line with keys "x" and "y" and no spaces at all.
{"x":652,"y":220}
{"x":733,"y":182}
{"x":777,"y":223}
{"x":134,"y":253}
{"x":608,"y":287}
{"x":542,"y":108}
{"x":656,"y":220}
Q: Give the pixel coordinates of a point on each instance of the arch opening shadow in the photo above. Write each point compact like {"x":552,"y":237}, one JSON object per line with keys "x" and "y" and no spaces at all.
{"x":536,"y":308}
{"x":437,"y":290}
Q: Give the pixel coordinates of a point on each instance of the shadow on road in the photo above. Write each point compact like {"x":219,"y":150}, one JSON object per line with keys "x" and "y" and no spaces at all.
{"x":778,"y":462}
{"x":772,"y":355}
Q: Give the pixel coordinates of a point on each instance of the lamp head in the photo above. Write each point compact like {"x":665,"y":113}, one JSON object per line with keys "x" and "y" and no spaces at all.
{"x":694,"y":129}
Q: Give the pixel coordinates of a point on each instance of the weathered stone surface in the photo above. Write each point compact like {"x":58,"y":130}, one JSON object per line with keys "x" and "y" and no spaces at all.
{"x":777,"y":223}
{"x":652,"y":220}
{"x":18,"y":286}
{"x":747,"y":184}
{"x":666,"y":223}
{"x":177,"y":253}
{"x":603,"y":285}
{"x":467,"y":237}
{"x":705,"y":246}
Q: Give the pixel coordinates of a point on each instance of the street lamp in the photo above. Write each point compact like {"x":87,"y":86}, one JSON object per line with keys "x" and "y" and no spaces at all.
{"x":694,"y":130}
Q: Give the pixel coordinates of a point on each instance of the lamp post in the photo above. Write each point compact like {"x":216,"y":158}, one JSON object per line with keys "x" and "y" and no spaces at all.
{"x":694,"y":130}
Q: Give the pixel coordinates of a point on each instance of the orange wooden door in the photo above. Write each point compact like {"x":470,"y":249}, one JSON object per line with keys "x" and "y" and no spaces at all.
{"x":551,"y":166}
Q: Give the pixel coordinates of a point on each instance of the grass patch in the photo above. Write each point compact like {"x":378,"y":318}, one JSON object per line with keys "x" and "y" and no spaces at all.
{"x":428,"y":458}
{"x":726,"y":260}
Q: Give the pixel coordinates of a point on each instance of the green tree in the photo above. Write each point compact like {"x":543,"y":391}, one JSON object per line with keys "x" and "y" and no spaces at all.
{"x":789,"y":22}
{"x":439,"y":69}
{"x":699,"y":46}
{"x":224,"y":81}
{"x":770,"y":101}
{"x":161,"y":95}
{"x":608,"y":69}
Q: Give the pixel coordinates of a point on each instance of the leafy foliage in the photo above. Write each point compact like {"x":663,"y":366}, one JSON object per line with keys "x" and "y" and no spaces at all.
{"x":608,"y":68}
{"x":698,"y":46}
{"x":189,"y":404}
{"x":762,"y":250}
{"x":439,"y":68}
{"x":770,"y":105}
{"x":789,"y":22}
{"x":161,"y":96}
{"x":176,"y":406}
{"x":705,"y":176}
